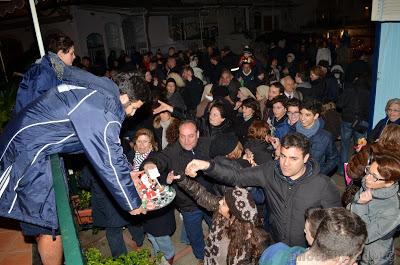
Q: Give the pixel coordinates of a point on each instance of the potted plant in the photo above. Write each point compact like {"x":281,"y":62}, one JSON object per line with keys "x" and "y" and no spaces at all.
{"x":139,"y":257}
{"x":82,"y":204}
{"x":8,"y":92}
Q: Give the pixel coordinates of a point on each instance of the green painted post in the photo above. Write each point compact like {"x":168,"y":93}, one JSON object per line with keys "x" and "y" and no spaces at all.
{"x":71,"y":245}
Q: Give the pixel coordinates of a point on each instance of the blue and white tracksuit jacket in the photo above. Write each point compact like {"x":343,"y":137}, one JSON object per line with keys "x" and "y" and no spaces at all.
{"x":82,"y":114}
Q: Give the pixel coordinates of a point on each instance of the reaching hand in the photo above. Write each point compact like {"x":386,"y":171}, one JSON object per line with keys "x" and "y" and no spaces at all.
{"x":135,"y":174}
{"x":163,"y":107}
{"x":138,"y":211}
{"x":274,"y":141}
{"x":196,"y":165}
{"x":171,"y":177}
{"x":249,"y":156}
{"x":365,"y":197}
{"x":238,"y":104}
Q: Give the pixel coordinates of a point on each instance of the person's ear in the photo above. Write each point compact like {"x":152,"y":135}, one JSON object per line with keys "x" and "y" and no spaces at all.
{"x":198,"y":133}
{"x":306,"y":157}
{"x":316,"y":116}
{"x":343,"y":260}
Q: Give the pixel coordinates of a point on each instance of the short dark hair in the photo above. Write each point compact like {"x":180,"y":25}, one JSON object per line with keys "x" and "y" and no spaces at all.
{"x":219,"y":104}
{"x":341,"y":233}
{"x":314,"y":217}
{"x":59,"y":42}
{"x":312,"y":105}
{"x":279,"y":86}
{"x":280,"y":99}
{"x":188,"y":68}
{"x":254,"y":105}
{"x":133,"y":85}
{"x":293,"y":102}
{"x":298,"y":140}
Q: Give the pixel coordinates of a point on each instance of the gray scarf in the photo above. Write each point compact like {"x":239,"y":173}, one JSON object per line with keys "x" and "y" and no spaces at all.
{"x":164,"y":125}
{"x":57,"y":65}
{"x":308,"y":132}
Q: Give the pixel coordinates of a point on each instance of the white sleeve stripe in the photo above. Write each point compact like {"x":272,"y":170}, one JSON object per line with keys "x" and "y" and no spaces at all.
{"x":26,"y":127}
{"x":112,"y":166}
{"x":47,"y":145}
{"x":81,"y":101}
{"x":37,"y":154}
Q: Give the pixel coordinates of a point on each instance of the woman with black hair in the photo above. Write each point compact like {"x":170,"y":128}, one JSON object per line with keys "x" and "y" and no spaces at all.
{"x":215,"y":123}
{"x":250,"y":112}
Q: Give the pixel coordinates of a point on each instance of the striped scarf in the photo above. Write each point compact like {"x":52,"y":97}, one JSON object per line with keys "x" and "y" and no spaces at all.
{"x":138,"y":160}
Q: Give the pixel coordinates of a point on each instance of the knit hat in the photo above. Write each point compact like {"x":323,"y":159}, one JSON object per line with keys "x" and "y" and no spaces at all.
{"x":337,"y":68}
{"x":223,"y":144}
{"x":241,"y":204}
{"x":291,"y":55}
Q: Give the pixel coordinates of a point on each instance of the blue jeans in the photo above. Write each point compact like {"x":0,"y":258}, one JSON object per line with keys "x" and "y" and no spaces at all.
{"x":163,"y":244}
{"x":116,"y":241}
{"x":347,"y":132}
{"x":192,"y":222}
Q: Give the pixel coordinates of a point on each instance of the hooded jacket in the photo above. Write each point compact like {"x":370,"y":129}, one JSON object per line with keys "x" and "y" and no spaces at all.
{"x":286,"y":199}
{"x":382,"y":217}
{"x":41,"y":76}
{"x":84,"y":114}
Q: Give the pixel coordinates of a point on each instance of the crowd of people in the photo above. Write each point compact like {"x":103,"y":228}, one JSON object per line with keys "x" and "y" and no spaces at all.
{"x":249,"y":142}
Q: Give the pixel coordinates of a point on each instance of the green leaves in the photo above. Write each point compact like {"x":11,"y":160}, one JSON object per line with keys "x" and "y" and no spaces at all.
{"x":8,"y":93}
{"x":85,"y":198}
{"x":139,"y":257}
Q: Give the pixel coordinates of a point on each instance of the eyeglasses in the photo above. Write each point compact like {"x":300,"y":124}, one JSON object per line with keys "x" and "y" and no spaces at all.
{"x":375,"y":176}
{"x":293,"y":113}
{"x":394,"y":110}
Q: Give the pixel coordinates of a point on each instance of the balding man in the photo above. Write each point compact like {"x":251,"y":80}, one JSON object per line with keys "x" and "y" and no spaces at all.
{"x":175,"y":158}
{"x":290,"y":88}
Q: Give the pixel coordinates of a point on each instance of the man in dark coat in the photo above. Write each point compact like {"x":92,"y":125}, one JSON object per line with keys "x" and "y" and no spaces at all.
{"x":106,"y":213}
{"x":291,"y":186}
{"x":175,"y":158}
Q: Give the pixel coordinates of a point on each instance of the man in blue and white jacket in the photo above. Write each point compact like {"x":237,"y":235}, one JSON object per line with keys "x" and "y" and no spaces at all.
{"x":82,"y":114}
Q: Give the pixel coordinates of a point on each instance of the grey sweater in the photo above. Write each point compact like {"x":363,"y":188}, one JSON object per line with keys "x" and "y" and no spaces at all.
{"x":382,"y":217}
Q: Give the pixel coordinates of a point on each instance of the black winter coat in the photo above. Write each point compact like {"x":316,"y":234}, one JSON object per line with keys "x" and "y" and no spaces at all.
{"x":175,"y":158}
{"x":354,"y":102}
{"x":192,"y":93}
{"x":105,"y":210}
{"x":261,"y":149}
{"x":286,"y":199}
{"x":319,"y":90}
{"x":242,"y":127}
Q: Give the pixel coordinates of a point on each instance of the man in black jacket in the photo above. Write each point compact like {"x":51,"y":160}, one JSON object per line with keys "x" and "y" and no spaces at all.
{"x":291,"y":186}
{"x":175,"y":158}
{"x":193,"y":89}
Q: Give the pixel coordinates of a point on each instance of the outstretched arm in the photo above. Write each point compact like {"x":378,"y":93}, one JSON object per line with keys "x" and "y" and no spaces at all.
{"x":224,"y":171}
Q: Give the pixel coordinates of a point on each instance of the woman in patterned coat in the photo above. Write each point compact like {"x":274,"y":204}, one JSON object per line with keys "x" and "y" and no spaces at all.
{"x":235,"y":237}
